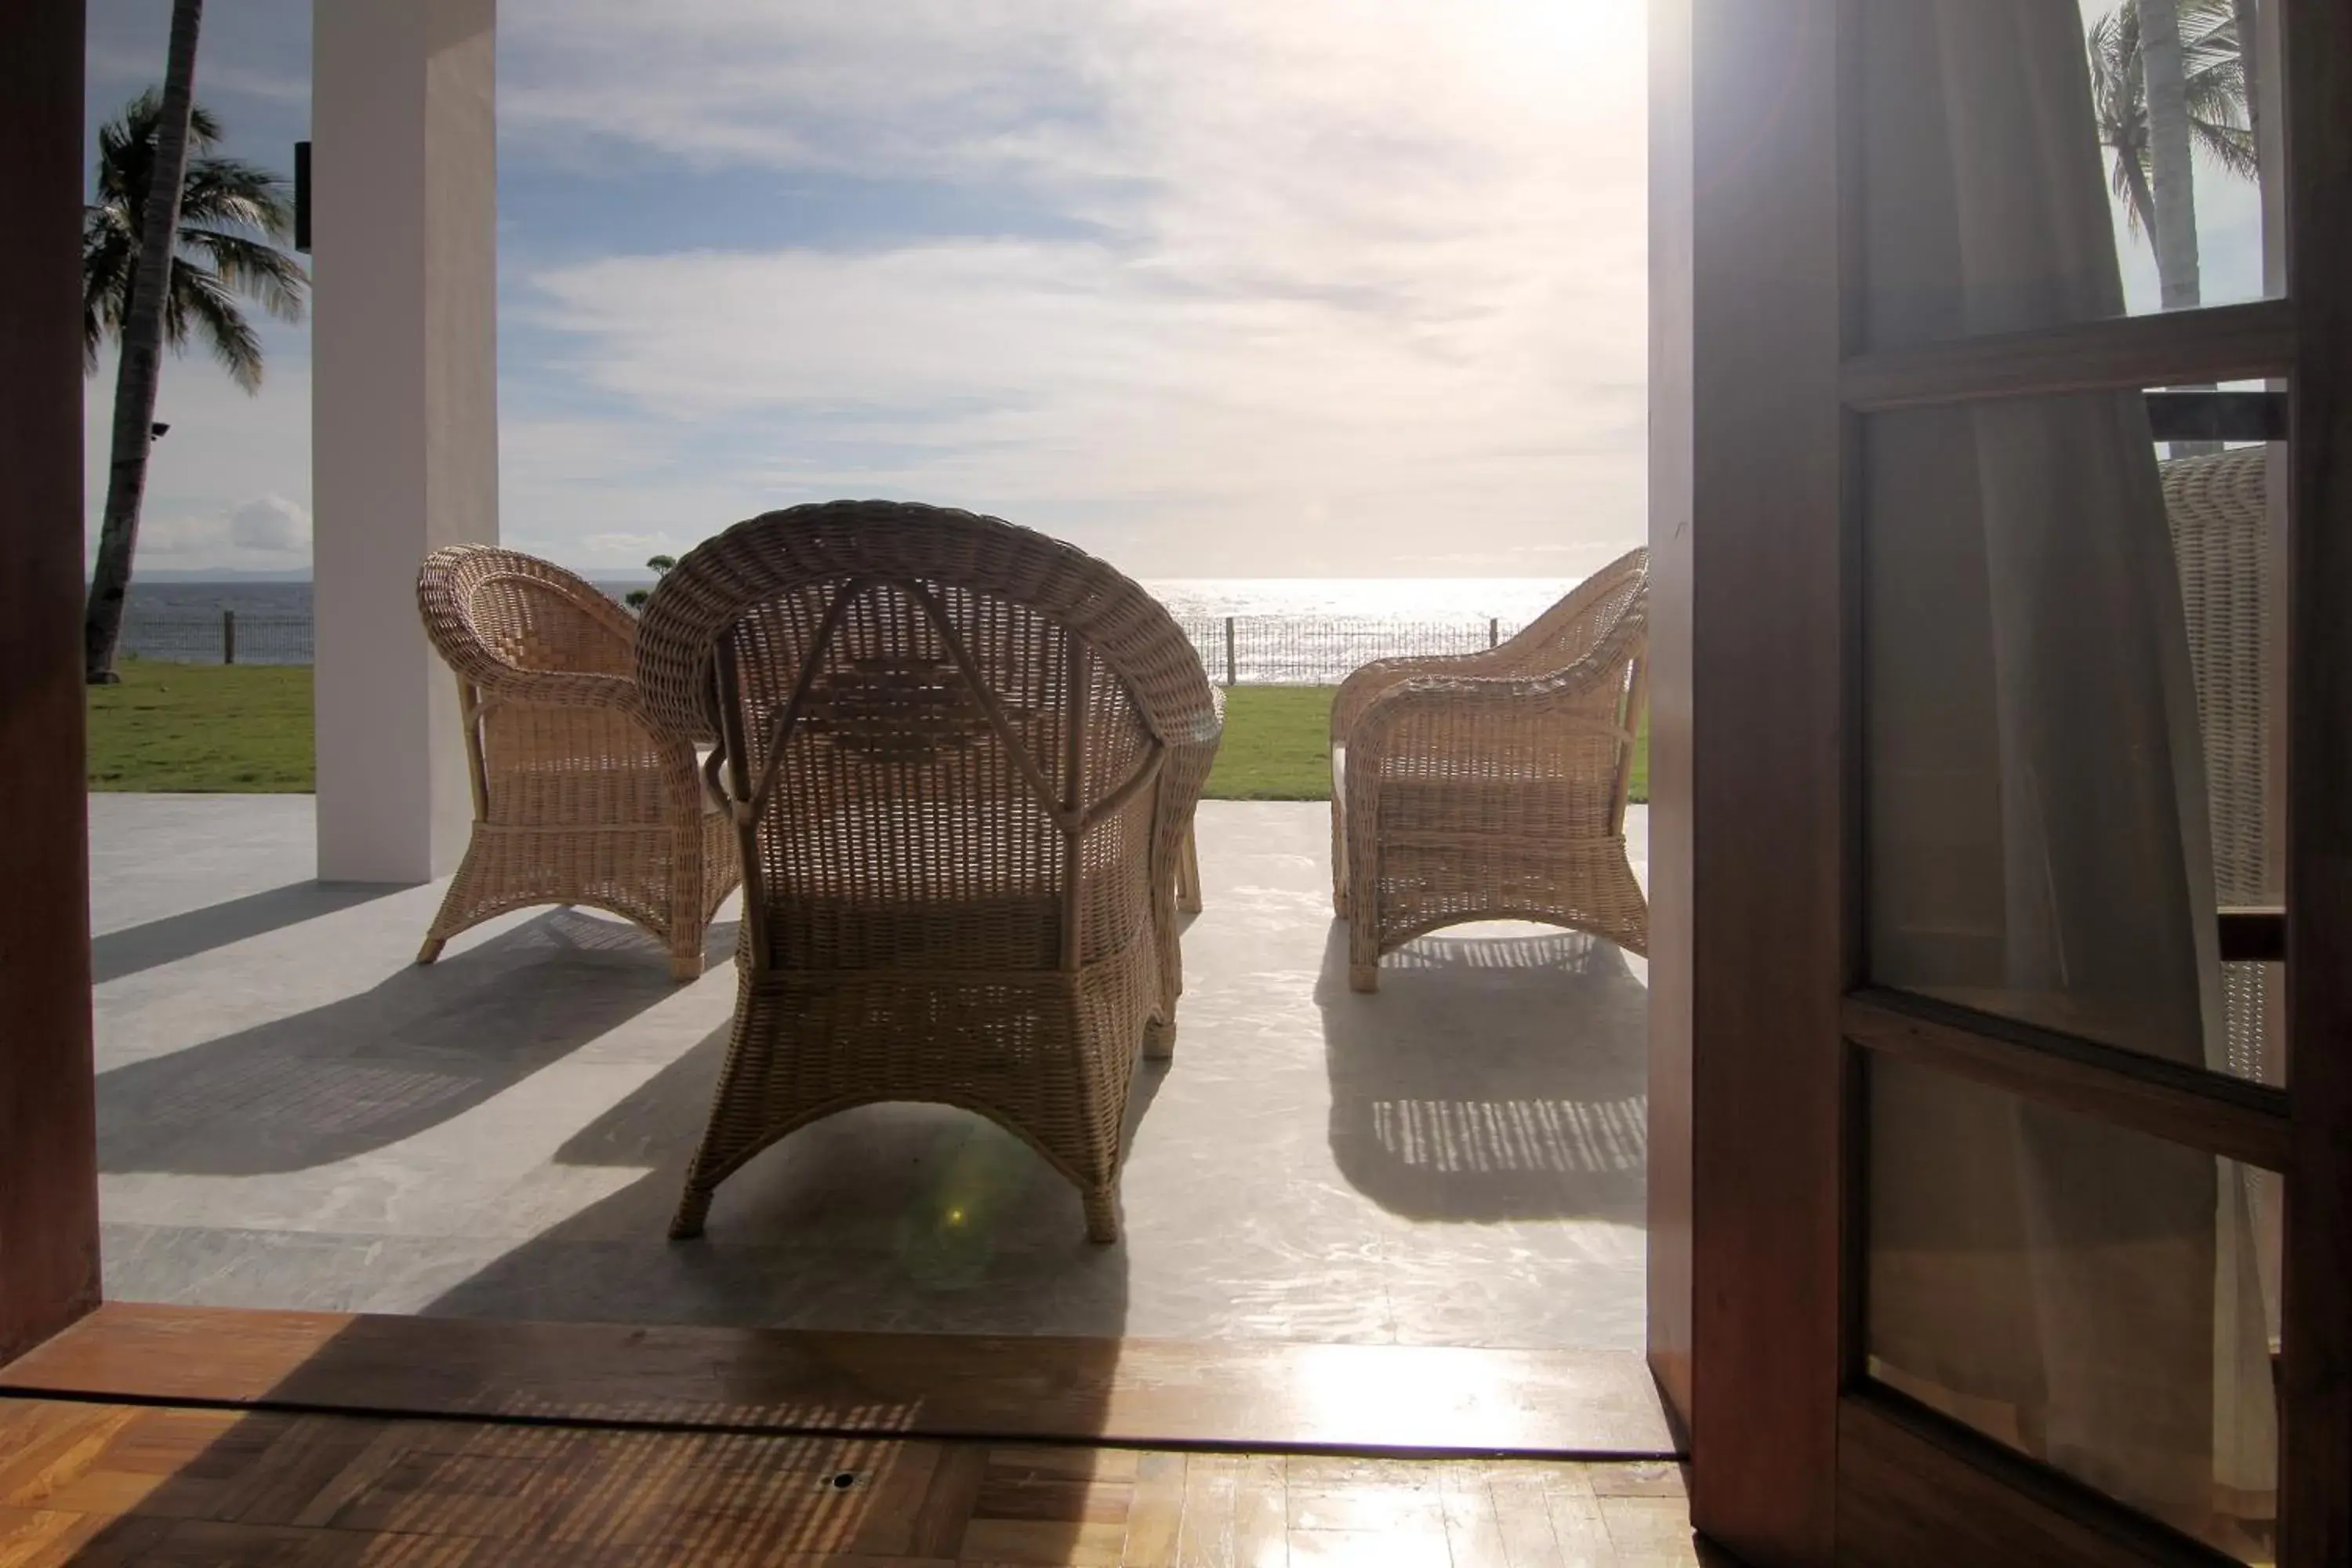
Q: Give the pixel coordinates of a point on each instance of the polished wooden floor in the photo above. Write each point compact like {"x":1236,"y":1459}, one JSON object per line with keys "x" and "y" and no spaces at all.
{"x":1125,"y":1393}
{"x":93,"y":1483}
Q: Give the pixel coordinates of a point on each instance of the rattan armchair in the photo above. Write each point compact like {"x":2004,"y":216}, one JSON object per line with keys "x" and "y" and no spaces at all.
{"x":2219,"y":509}
{"x":962,"y":759}
{"x":1493,"y":786}
{"x":579,"y":796}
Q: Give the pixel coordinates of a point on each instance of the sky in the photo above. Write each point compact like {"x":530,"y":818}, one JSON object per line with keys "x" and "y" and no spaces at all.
{"x":1213,"y":289}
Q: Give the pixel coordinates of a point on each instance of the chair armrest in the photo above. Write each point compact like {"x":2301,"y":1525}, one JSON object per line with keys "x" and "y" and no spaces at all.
{"x":1366,"y":684}
{"x":1191,"y":756}
{"x":1480,"y":707}
{"x":558,"y":689}
{"x":507,"y":685}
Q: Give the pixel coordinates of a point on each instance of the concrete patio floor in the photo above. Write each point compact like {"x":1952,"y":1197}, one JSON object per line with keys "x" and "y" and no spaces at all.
{"x":292,"y":1114}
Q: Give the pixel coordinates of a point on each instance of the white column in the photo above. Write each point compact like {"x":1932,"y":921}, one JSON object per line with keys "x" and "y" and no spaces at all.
{"x":405,"y":427}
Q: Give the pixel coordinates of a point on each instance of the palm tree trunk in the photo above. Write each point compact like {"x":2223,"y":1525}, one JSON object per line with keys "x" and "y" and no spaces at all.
{"x":141,"y":363}
{"x":2171,"y":173}
{"x":2249,"y":45}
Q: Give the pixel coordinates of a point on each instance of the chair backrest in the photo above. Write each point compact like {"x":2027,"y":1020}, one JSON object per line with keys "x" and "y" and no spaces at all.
{"x":1606,"y":616}
{"x":942,"y":732}
{"x":2219,"y":509}
{"x":512,"y":627}
{"x":1576,"y":625}
{"x":2219,"y":515}
{"x":492,"y":612}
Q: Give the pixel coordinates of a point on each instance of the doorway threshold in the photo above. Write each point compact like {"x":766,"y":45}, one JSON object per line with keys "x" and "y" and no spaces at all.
{"x":1404,"y":1400}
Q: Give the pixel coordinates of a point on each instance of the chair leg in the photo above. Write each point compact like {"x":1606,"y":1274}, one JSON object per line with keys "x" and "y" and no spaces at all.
{"x":1102,"y":1214}
{"x":1188,"y":873}
{"x":1338,"y":859}
{"x":688,"y":916}
{"x":693,"y":1209}
{"x":462,"y":905}
{"x":1159,"y":1039}
{"x":1363,"y":955}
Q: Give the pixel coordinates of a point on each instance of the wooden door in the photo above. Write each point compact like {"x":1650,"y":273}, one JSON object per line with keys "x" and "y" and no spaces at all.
{"x":1972,"y":1234}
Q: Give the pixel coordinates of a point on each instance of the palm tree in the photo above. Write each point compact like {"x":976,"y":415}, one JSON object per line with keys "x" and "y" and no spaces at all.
{"x":2132,"y":99}
{"x":2172,"y":171}
{"x":2167,"y":76}
{"x":164,"y":297}
{"x":233,"y":218}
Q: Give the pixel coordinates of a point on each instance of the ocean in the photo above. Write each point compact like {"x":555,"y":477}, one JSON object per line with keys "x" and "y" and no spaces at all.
{"x":1512,"y":599}
{"x":1284,"y":631}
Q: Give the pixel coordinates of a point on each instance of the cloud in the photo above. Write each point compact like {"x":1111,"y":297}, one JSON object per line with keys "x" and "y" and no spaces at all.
{"x":271,"y":526}
{"x":1325,"y":286}
{"x":264,"y":533}
{"x":230,"y":485}
{"x":1332,"y":286}
{"x":1354,"y":274}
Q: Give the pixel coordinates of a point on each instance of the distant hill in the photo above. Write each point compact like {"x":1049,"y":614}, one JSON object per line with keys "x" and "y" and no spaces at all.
{"x":220,"y":575}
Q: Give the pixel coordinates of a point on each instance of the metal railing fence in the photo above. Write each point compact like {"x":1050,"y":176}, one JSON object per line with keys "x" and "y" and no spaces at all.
{"x":216,"y":636}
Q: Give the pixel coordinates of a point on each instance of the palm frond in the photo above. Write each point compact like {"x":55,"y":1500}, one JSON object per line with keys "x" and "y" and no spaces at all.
{"x":2129,"y":184}
{"x":2231,"y":146}
{"x":107,"y":253}
{"x":230,"y":211}
{"x":2208,"y":33}
{"x":199,"y":304}
{"x":232,"y":192}
{"x":253,"y":267}
{"x":126,"y":145}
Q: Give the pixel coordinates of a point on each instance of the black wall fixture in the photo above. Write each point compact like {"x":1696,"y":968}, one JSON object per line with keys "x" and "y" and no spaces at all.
{"x":302,"y":197}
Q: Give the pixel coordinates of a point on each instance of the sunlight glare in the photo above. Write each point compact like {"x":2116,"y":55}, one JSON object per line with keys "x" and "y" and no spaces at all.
{"x":1568,"y":49}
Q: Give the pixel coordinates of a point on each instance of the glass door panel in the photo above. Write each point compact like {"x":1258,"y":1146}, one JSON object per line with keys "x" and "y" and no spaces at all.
{"x":2088,"y":1296}
{"x":2068,"y":647}
{"x":2012,"y":147}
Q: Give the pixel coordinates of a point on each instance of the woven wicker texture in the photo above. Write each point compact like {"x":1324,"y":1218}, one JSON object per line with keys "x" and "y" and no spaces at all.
{"x":2221,"y":537}
{"x":963,"y":759}
{"x":1493,"y":786}
{"x":579,"y":799}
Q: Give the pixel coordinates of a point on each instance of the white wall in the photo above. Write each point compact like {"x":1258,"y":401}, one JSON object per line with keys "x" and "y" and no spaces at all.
{"x":404,"y":409}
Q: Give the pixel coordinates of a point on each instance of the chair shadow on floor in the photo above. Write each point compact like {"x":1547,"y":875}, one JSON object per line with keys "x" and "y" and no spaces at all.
{"x":901,"y":1217}
{"x":426,"y":1045}
{"x":1491,"y":1077}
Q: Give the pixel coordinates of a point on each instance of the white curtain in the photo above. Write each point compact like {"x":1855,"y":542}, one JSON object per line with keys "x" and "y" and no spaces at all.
{"x":2038,"y":839}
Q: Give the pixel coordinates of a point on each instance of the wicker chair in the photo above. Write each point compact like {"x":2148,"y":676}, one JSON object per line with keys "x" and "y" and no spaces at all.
{"x":1493,"y":786}
{"x":2218,"y":511}
{"x":579,"y":797}
{"x":963,"y":759}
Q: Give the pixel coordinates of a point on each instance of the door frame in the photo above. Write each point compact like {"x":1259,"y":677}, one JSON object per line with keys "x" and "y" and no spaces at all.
{"x":49,"y":1138}
{"x":1758,"y":1030}
{"x":1746,"y":962}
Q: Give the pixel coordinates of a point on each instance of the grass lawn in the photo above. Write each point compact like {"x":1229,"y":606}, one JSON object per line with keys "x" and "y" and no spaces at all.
{"x":1278,"y":746}
{"x":246,"y":729}
{"x":236,"y":729}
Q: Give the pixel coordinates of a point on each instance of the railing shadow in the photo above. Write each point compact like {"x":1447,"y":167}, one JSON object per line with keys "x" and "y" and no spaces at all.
{"x":423,"y":1045}
{"x":1491,"y":1078}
